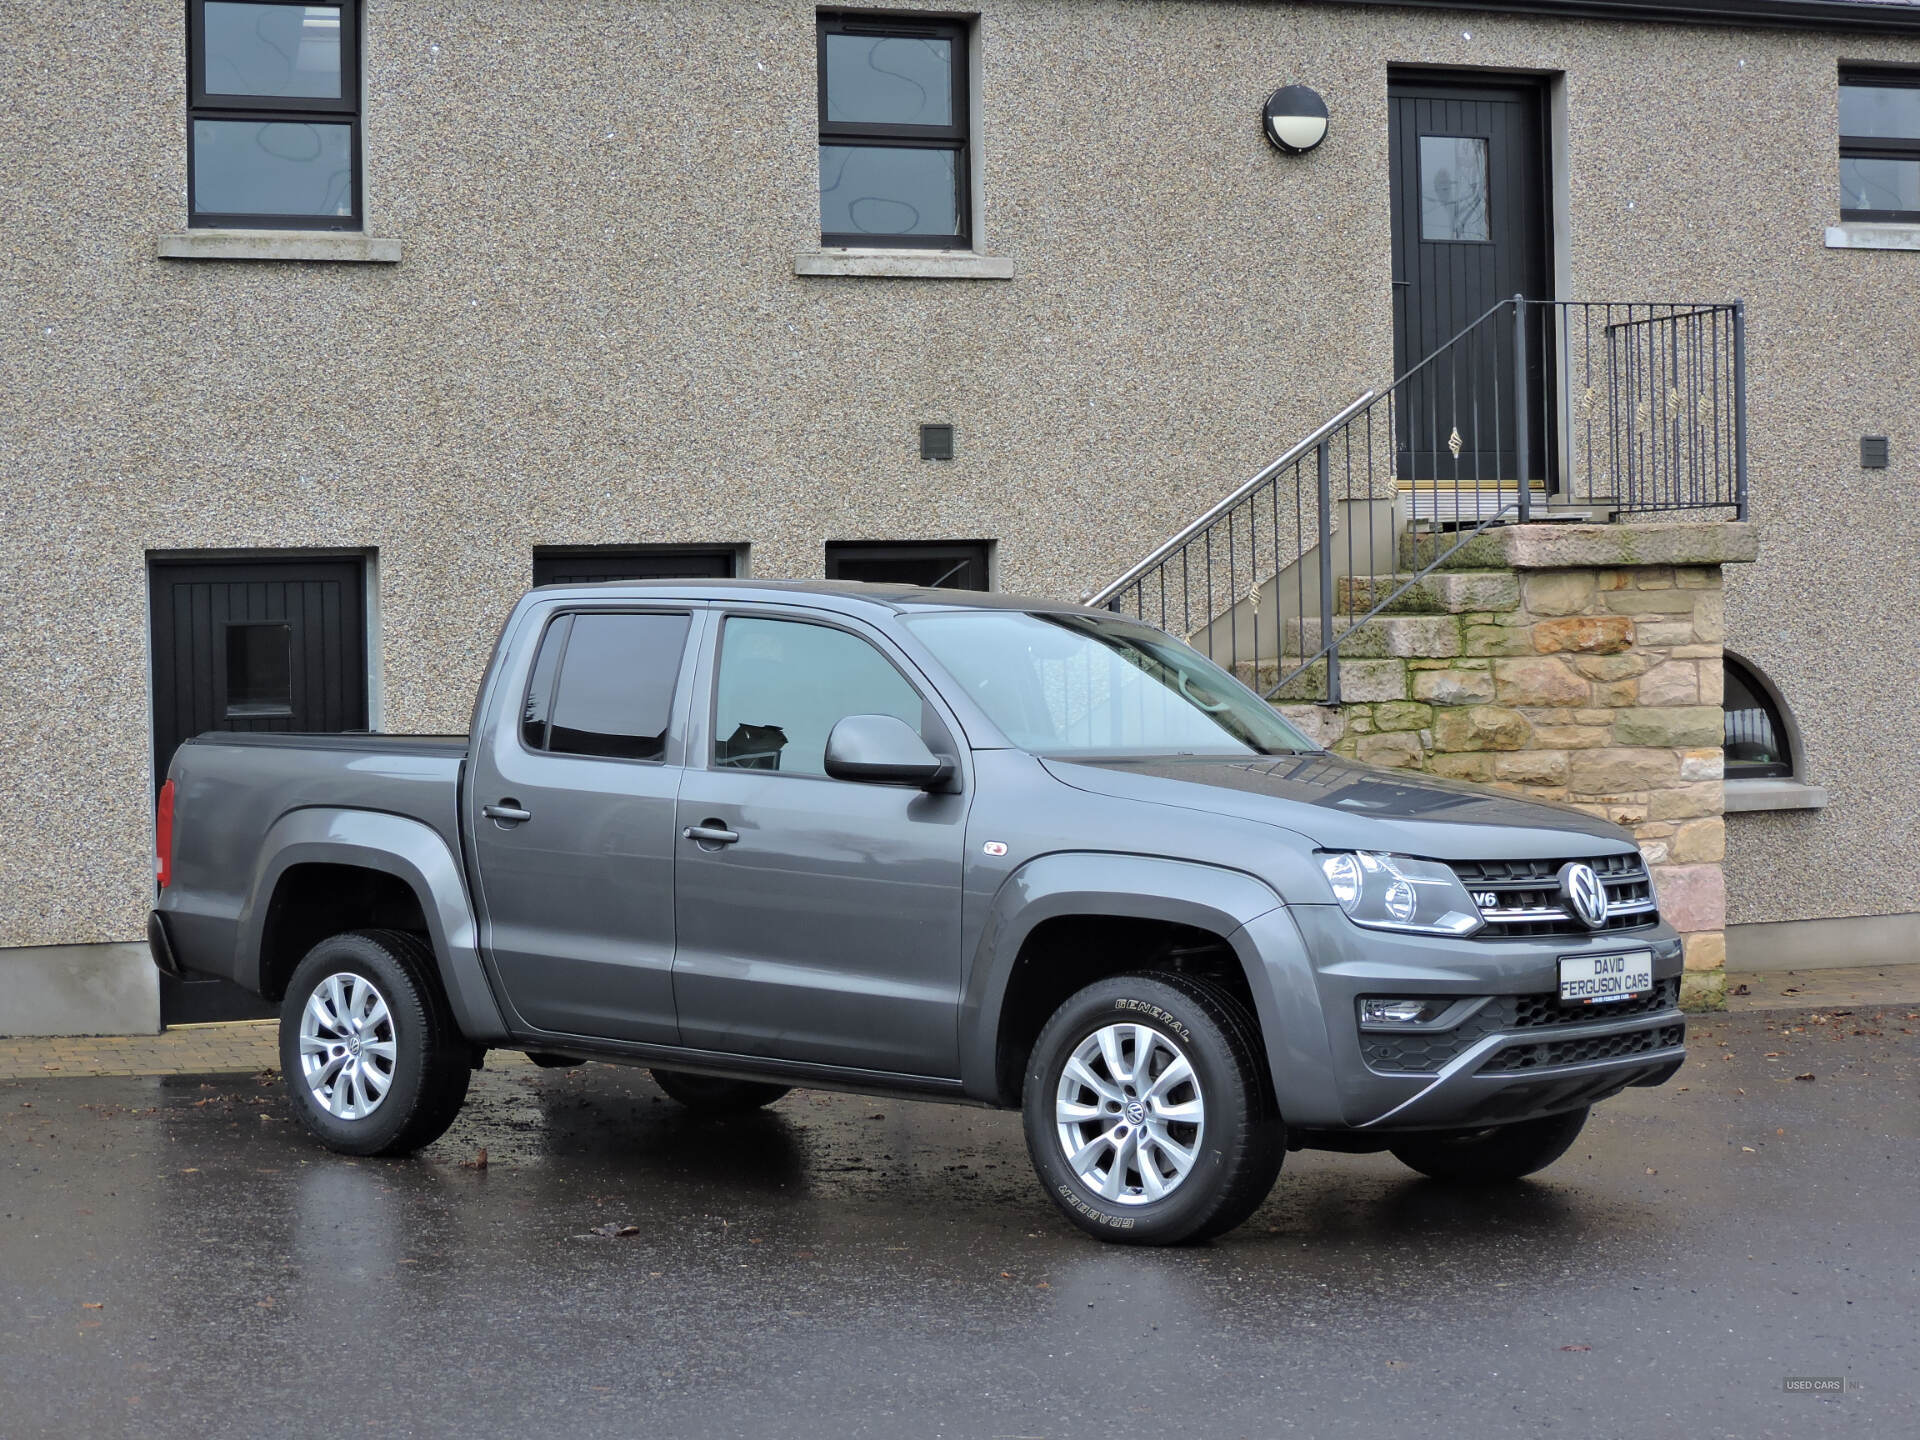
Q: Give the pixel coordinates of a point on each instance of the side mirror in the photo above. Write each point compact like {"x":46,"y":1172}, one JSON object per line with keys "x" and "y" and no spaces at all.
{"x":883,"y":750}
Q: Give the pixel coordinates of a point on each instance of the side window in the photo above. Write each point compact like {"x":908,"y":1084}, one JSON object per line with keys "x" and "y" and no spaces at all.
{"x":784,"y":685}
{"x":604,"y":685}
{"x":273,"y":111}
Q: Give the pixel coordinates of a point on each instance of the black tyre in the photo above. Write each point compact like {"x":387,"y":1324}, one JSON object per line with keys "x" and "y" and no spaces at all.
{"x":1491,"y":1155}
{"x":1148,"y":1116}
{"x":373,"y":1062}
{"x":712,"y":1096}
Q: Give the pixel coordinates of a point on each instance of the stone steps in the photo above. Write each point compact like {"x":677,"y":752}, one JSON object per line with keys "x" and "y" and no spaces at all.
{"x":1485,"y":551}
{"x":1444,"y":592}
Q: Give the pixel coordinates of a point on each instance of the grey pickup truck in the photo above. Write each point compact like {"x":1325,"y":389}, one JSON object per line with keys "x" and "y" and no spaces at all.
{"x":933,"y":844}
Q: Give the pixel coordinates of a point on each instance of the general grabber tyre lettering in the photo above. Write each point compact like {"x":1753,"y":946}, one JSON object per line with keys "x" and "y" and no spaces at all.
{"x":1492,"y":1155}
{"x":1148,"y":1115}
{"x":710,"y":1095}
{"x":373,"y":1062}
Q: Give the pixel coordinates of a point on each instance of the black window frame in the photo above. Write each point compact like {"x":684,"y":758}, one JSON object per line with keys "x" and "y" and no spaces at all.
{"x":955,"y":136}
{"x":965,"y":552}
{"x":1879,"y":147}
{"x":1751,"y":680}
{"x":203,"y":104}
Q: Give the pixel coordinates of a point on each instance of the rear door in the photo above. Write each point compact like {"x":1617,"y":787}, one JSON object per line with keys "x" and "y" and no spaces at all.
{"x":828,"y":930}
{"x":574,"y":792}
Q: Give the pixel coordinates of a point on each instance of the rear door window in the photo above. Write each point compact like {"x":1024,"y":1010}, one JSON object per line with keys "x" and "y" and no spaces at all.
{"x":603,"y":685}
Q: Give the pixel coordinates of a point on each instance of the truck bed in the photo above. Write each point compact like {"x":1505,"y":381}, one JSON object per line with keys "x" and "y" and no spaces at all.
{"x":231,"y":789}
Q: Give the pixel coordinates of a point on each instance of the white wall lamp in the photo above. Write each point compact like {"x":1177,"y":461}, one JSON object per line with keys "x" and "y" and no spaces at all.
{"x":1295,"y":119}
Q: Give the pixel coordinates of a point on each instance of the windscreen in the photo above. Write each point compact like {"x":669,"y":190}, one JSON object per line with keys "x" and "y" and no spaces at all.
{"x":1083,"y":685}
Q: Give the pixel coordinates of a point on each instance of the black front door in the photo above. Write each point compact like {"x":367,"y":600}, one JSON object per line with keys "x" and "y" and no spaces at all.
{"x":256,"y":644}
{"x":1470,"y":229}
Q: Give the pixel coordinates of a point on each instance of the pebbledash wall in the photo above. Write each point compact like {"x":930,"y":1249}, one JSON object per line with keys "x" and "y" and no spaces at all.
{"x":596,"y":332}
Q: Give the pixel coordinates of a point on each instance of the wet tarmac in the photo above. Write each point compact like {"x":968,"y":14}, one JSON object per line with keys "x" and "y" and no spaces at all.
{"x":177,"y":1259}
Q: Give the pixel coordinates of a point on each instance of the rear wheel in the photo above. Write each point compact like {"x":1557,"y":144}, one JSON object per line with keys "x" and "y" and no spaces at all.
{"x":1148,"y":1117}
{"x":1491,"y":1155}
{"x":373,"y":1062}
{"x":712,"y":1096}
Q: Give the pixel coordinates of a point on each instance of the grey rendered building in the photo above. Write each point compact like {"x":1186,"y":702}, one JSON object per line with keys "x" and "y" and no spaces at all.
{"x":329,"y":328}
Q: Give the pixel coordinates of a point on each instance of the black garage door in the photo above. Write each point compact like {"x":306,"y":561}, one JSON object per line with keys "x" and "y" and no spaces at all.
{"x":257,"y":644}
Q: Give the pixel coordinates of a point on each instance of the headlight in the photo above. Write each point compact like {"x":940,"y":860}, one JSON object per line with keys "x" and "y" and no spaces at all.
{"x":1397,"y":892}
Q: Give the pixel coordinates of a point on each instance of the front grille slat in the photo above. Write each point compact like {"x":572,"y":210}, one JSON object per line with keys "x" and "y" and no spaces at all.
{"x":1526,"y":895}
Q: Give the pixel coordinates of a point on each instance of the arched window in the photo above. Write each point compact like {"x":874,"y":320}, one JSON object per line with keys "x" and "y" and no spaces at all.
{"x":1759,"y":745}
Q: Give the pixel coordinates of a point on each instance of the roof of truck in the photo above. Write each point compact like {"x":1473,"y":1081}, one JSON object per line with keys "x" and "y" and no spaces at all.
{"x":861,"y":592}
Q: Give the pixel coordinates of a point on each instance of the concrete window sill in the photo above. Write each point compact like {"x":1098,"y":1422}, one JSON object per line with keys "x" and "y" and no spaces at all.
{"x":277,"y":245}
{"x":904,"y":264}
{"x":1774,"y":795}
{"x":1860,"y":235}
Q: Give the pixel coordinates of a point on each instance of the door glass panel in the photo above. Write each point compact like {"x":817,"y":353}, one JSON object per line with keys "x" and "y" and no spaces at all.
{"x":1873,"y":184}
{"x":784,"y":685}
{"x":615,"y":696}
{"x":1889,"y":112}
{"x":1453,"y":188}
{"x":888,"y":190}
{"x":272,"y":167}
{"x":272,"y":50}
{"x":259,"y":669}
{"x":889,"y":79}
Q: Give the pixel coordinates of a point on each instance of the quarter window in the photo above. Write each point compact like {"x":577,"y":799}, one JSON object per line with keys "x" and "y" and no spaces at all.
{"x":604,"y":684}
{"x":1879,"y":145}
{"x":784,"y":685}
{"x":894,"y":161}
{"x":273,"y":114}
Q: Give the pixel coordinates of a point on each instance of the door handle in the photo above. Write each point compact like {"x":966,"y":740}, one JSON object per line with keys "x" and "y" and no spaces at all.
{"x":711,"y":833}
{"x":508,"y":812}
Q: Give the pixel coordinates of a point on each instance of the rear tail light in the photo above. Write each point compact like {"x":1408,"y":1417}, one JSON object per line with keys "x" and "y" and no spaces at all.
{"x":163,"y":836}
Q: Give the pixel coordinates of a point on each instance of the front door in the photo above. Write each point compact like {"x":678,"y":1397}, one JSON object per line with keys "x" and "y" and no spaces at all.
{"x":573,"y":827}
{"x":258,"y":644}
{"x":828,"y":928}
{"x":1470,"y":229}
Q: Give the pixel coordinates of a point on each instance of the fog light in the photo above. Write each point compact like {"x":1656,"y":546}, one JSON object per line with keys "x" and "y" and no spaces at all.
{"x":1402,"y":1012}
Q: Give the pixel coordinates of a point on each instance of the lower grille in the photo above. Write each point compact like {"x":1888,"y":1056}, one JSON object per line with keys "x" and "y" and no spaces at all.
{"x":1528,"y":1010}
{"x":1591,"y":1047}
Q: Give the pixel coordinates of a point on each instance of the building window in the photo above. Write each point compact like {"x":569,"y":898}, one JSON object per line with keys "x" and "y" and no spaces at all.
{"x":894,"y":158}
{"x":935,"y":564}
{"x":593,"y":564}
{"x":1758,"y":744}
{"x":273,"y":114}
{"x":1880,"y":145}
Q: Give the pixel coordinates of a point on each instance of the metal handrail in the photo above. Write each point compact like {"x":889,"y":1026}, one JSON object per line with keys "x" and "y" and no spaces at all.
{"x":1107,"y":592}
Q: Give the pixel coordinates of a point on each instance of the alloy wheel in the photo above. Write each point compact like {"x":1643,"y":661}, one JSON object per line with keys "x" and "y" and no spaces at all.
{"x":347,"y":1046}
{"x":1130,"y":1114}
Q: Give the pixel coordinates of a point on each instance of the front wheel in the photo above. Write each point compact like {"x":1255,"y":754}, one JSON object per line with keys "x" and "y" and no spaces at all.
{"x":1148,"y":1117}
{"x":373,"y":1061}
{"x":1491,"y":1155}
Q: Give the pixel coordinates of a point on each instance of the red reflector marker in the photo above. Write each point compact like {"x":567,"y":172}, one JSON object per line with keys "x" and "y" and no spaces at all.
{"x":163,"y":836}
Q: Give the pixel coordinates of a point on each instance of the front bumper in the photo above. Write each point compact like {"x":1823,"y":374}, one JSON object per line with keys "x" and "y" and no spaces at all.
{"x":1507,"y":1053}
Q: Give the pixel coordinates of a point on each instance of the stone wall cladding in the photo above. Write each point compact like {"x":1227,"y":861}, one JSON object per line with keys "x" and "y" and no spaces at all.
{"x":1597,"y":684}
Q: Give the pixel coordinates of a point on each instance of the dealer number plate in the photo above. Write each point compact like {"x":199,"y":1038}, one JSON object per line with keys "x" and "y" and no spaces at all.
{"x":1602,"y":979}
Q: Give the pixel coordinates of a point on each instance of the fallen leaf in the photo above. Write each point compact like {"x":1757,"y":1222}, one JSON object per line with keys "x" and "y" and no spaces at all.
{"x":1807,"y":1076}
{"x":1741,"y":990}
{"x":93,"y":1304}
{"x":1576,"y":1347}
{"x":479,"y":1161}
{"x":1749,"y":1150}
